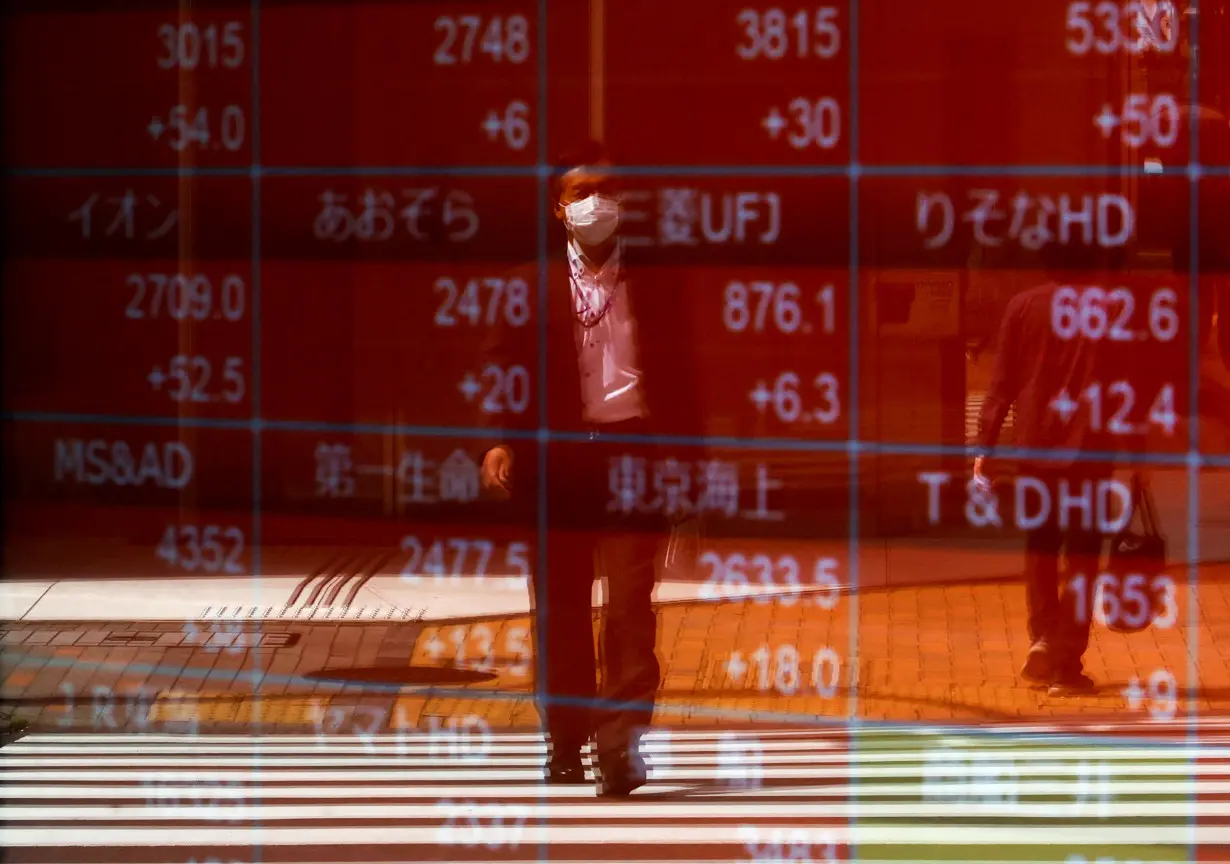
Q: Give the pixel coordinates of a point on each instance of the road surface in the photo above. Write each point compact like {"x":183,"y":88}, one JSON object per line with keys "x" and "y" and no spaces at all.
{"x":1023,"y":793}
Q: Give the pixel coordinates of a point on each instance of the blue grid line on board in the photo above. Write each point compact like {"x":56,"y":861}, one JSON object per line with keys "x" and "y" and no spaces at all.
{"x":546,"y":168}
{"x":854,"y":503}
{"x":257,"y":543}
{"x":256,"y":423}
{"x":1190,"y":704}
{"x":543,"y":524}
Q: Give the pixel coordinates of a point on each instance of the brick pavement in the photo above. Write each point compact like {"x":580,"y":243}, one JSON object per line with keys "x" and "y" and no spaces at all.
{"x":936,"y":654}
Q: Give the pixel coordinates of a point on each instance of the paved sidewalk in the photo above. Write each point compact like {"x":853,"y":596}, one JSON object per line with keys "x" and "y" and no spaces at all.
{"x":934,"y":654}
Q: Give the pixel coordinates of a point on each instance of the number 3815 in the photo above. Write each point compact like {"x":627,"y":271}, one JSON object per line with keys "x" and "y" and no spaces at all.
{"x":771,"y":34}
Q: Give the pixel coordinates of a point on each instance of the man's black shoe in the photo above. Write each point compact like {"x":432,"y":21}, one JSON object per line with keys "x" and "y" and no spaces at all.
{"x":1072,"y":684}
{"x":1038,"y":668}
{"x":11,"y":729}
{"x":619,"y":772}
{"x":565,"y":770}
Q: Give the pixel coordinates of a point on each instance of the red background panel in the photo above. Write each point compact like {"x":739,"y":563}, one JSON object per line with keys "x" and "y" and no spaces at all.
{"x":89,"y":524}
{"x":220,"y":474}
{"x":1215,"y":83}
{"x":674,"y":91}
{"x":731,"y":220}
{"x":384,"y":486}
{"x":348,"y":328}
{"x":729,"y":364}
{"x":71,"y":346}
{"x":896,"y":501}
{"x":1214,"y":368}
{"x":294,"y":544}
{"x":358,"y":342}
{"x":915,"y":377}
{"x":1213,"y":201}
{"x":80,"y":89}
{"x":184,"y":218}
{"x":1214,"y":265}
{"x":800,"y":494}
{"x":890,"y":234}
{"x":965,"y":82}
{"x":357,"y":85}
{"x":428,"y":218}
{"x":74,"y":541}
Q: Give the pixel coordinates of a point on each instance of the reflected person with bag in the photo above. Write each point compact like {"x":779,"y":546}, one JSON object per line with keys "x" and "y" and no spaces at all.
{"x":1033,"y":366}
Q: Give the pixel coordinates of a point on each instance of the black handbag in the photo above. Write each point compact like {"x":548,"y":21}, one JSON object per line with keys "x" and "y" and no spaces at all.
{"x":1133,"y":587}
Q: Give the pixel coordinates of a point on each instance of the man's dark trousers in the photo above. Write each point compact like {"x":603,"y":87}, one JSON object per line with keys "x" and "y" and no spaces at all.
{"x":1059,"y":615}
{"x":623,"y":553}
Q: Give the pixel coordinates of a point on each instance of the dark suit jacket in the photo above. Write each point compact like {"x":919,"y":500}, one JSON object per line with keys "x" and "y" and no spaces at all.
{"x":664,"y":349}
{"x":1032,"y":367}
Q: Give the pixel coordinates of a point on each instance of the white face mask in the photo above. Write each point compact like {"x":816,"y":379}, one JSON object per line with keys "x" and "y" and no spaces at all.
{"x":593,"y":219}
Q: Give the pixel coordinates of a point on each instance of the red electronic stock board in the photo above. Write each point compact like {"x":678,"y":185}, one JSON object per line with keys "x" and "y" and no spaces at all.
{"x":361,"y":205}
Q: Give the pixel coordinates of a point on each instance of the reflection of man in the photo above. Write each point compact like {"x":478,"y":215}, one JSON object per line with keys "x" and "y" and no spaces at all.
{"x":611,"y":368}
{"x":1033,"y":366}
{"x":1154,"y":23}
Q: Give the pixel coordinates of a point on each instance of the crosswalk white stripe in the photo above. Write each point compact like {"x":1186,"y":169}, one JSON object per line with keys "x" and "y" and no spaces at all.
{"x":608,"y":859}
{"x":264,"y":759}
{"x":388,"y":748}
{"x":468,"y":774}
{"x":475,"y":747}
{"x":834,"y":730}
{"x":714,"y":810}
{"x":129,"y":795}
{"x":726,"y":833}
{"x":432,"y":746}
{"x":418,"y":740}
{"x":988,"y":735}
{"x":155,"y":789}
{"x":654,"y":735}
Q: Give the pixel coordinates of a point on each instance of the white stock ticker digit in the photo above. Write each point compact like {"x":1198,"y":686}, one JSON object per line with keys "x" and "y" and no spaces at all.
{"x":185,"y":297}
{"x":498,"y":39}
{"x":790,"y":405}
{"x":507,"y":301}
{"x":771,"y":34}
{"x":777,"y":579}
{"x":187,"y":45}
{"x":759,"y":306}
{"x":1159,"y":698}
{"x":1095,"y":313}
{"x":1108,"y":27}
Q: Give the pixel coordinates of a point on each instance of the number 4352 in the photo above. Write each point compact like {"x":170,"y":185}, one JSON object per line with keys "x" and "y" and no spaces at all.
{"x":203,"y":548}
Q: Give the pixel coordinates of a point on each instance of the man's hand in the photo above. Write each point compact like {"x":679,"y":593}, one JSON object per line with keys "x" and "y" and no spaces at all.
{"x":980,"y":472}
{"x":497,"y":471}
